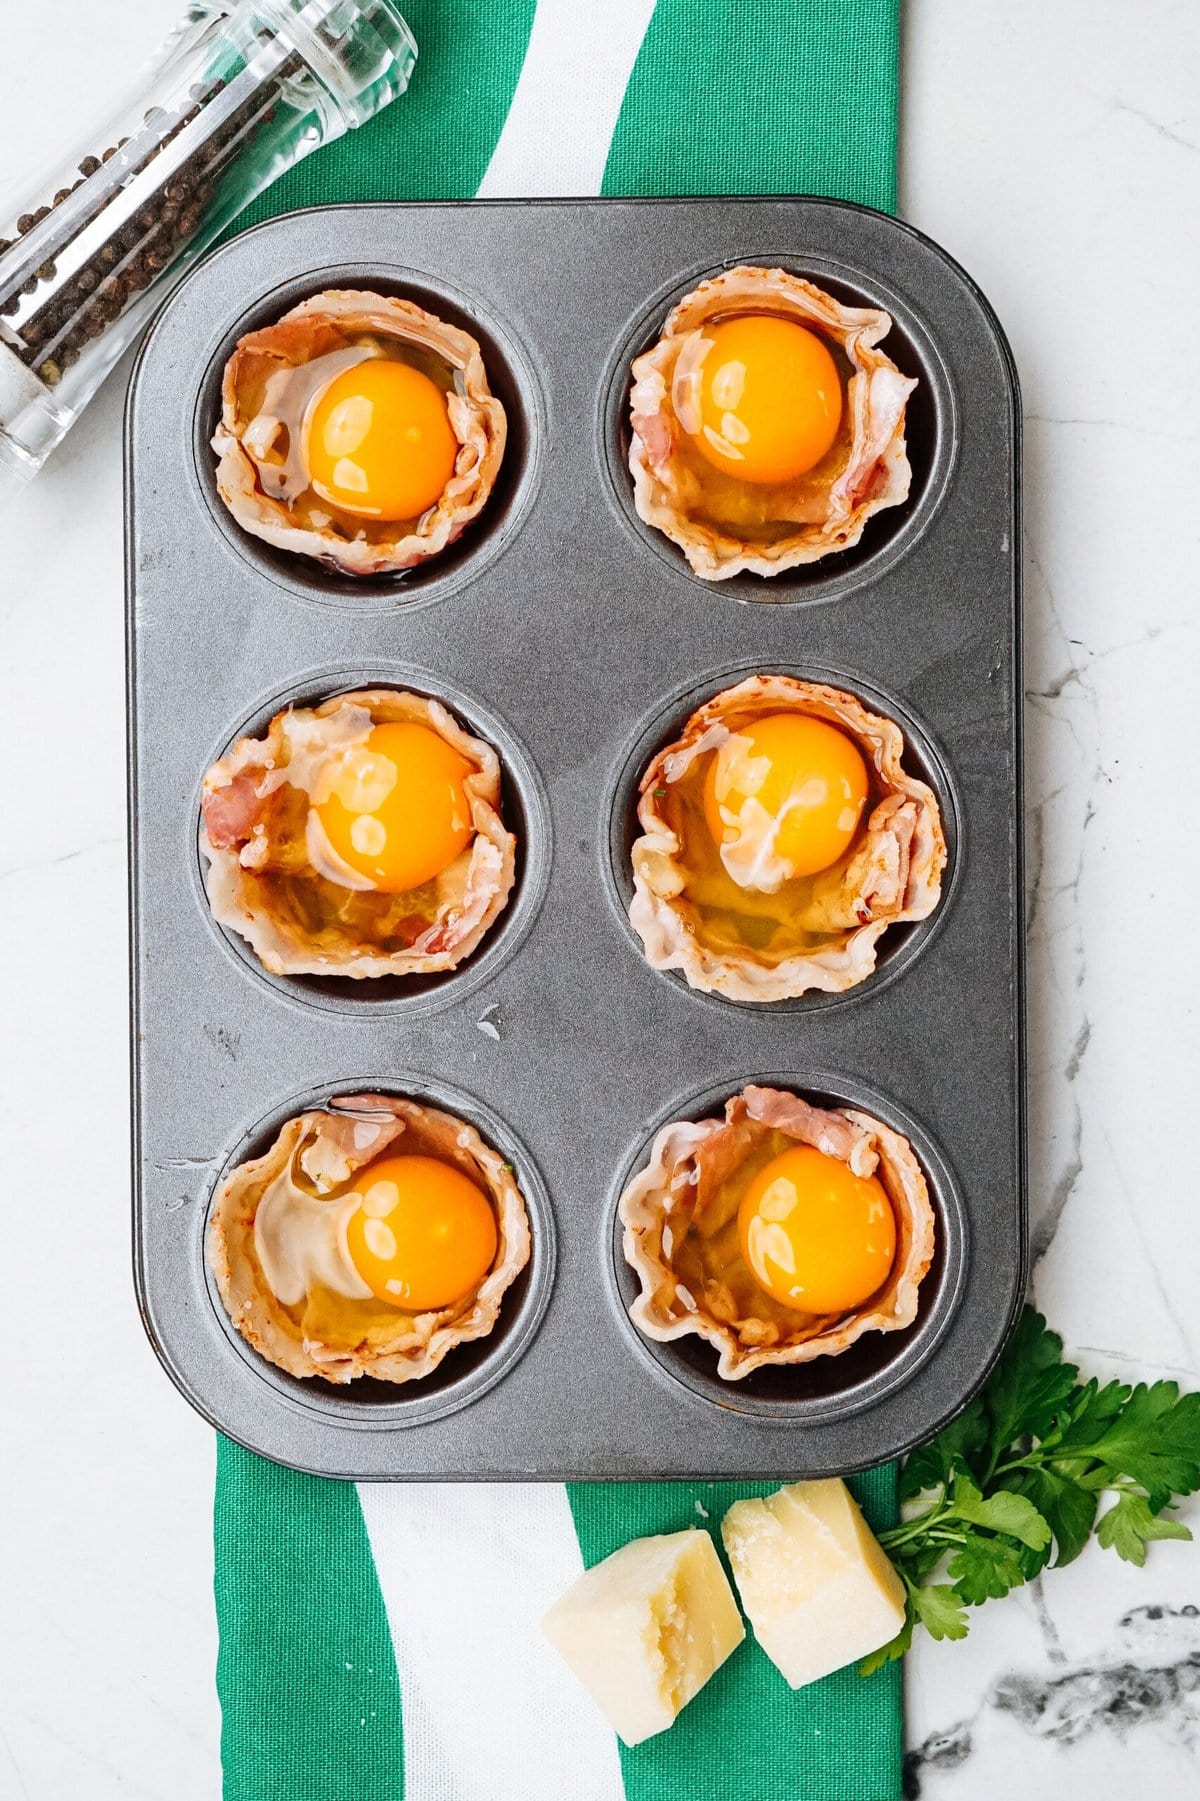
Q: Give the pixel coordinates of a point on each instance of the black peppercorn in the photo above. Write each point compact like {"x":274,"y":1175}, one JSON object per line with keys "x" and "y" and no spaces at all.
{"x":141,"y":247}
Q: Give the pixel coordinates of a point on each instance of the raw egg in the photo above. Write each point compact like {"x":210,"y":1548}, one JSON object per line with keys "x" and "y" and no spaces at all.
{"x":770,"y":400}
{"x":767,"y":426}
{"x":425,"y":1234}
{"x":359,"y":429}
{"x":814,"y":1235}
{"x":789,"y":787}
{"x":378,"y":441}
{"x":395,"y":808}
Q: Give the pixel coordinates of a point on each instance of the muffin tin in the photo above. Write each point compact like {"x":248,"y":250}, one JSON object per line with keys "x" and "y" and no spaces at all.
{"x":576,"y":640}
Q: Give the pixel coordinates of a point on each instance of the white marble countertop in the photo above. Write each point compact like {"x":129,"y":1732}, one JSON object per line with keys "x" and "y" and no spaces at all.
{"x":1052,"y":149}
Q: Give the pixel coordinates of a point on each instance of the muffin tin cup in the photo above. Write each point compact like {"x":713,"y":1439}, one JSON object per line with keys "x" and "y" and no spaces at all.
{"x":523,"y":805}
{"x":932,"y":428}
{"x":511,"y":377}
{"x":574,"y":639}
{"x":901,"y":943}
{"x":879,"y":1363}
{"x":470,"y":1370}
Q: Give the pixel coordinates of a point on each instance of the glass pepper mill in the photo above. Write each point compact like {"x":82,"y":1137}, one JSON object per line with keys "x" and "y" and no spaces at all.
{"x":240,"y":92}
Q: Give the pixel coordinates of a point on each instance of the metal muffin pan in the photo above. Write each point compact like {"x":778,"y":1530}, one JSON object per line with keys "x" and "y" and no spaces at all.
{"x":576,"y":640}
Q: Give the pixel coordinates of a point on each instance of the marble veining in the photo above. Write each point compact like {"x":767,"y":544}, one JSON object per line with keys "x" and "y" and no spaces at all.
{"x":1149,"y":1678}
{"x":1086,"y":1681}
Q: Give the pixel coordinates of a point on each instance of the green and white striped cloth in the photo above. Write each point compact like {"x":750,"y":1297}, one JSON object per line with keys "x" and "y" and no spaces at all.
{"x":380,"y":1642}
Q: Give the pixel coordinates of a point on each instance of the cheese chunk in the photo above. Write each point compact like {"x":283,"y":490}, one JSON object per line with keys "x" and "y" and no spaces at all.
{"x":815,"y":1584}
{"x":645,"y":1629}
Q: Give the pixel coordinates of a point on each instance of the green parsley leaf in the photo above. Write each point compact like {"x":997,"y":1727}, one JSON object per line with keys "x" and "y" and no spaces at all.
{"x":1028,"y":1388}
{"x":957,"y":1446}
{"x":1091,"y":1412}
{"x":1153,"y":1439}
{"x":1068,"y":1510}
{"x":922,"y":1558}
{"x":1129,"y":1526}
{"x":985,"y":1568}
{"x":940,"y":1611}
{"x":1019,"y":1475}
{"x":1002,"y":1512}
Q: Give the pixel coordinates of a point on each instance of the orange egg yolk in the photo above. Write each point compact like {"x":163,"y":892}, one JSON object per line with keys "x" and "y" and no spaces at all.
{"x":798,"y":780}
{"x":395,"y":808}
{"x":814,"y":1235}
{"x":425,"y":1234}
{"x":378,"y":441}
{"x":769,"y":398}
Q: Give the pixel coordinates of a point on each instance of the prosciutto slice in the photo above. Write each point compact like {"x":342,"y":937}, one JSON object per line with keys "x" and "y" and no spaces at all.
{"x":822,"y":512}
{"x":256,"y":822}
{"x":893,"y":873}
{"x":683,"y":1189}
{"x":319,"y":327}
{"x":318,"y":1151}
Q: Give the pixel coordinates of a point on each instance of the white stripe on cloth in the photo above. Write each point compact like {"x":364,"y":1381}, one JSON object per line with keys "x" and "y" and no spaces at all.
{"x":577,"y":65}
{"x":468,"y":1569}
{"x":491,"y":1713}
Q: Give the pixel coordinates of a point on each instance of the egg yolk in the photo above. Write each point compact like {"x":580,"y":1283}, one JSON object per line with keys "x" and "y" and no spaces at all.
{"x":769,"y":396}
{"x":395,"y":808}
{"x":814,"y":1235}
{"x":378,"y":441}
{"x":425,"y":1234}
{"x":796,"y":777}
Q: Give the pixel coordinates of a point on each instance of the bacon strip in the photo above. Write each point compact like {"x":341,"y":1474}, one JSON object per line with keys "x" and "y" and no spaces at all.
{"x":325,"y":1146}
{"x":308,"y":331}
{"x":657,"y":1213}
{"x":834,"y":1134}
{"x":231,"y":812}
{"x":821,"y":513}
{"x":353,"y":1131}
{"x":893,"y":874}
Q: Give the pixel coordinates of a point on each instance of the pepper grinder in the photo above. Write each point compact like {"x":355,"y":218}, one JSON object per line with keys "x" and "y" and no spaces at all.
{"x":239,"y":93}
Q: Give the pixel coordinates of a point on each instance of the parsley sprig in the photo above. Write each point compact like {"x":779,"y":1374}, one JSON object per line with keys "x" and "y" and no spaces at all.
{"x":1018,"y":1478}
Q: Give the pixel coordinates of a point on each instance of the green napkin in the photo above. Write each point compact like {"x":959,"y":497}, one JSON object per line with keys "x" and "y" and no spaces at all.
{"x":725,"y":97}
{"x":338,"y":1679}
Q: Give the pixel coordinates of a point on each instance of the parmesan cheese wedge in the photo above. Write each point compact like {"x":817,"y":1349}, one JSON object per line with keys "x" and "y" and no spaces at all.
{"x":814,"y":1582}
{"x":646,"y":1628}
